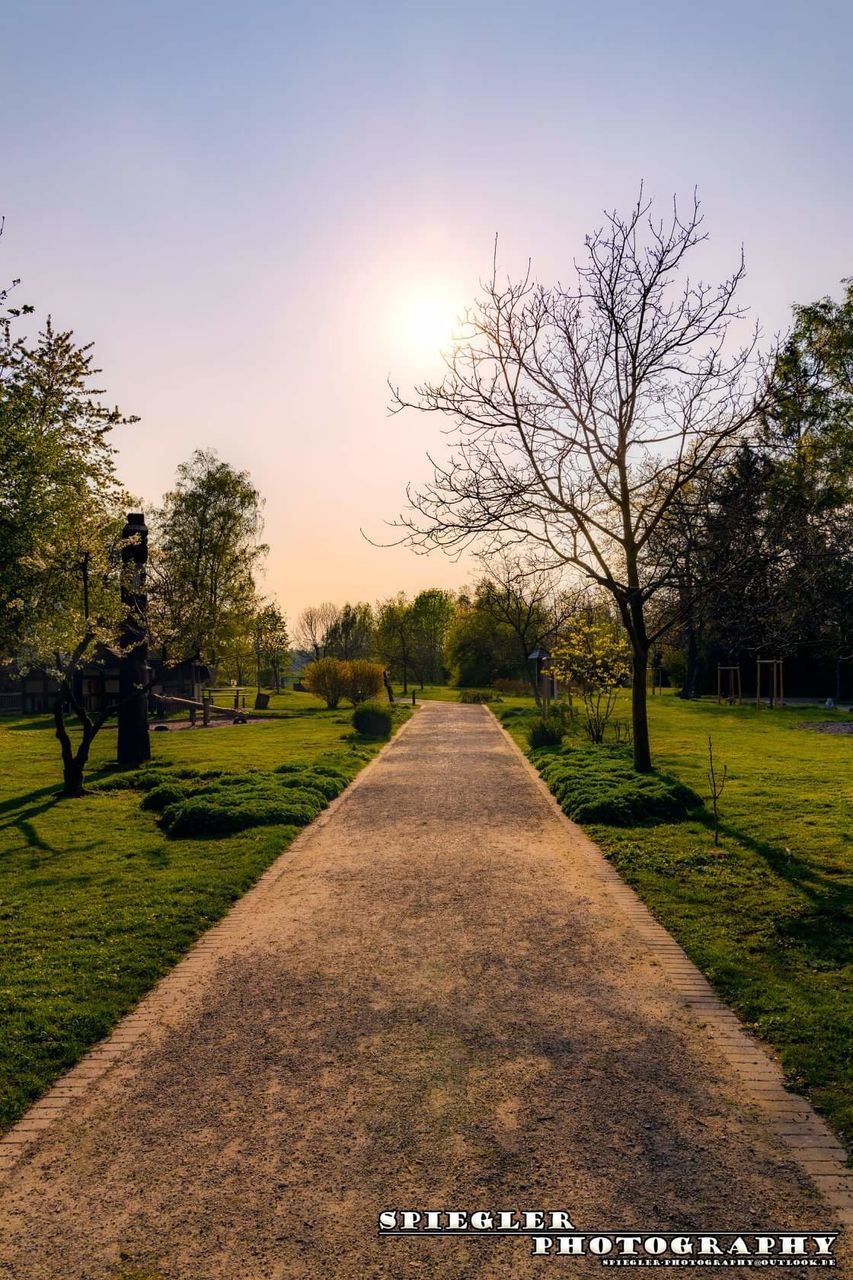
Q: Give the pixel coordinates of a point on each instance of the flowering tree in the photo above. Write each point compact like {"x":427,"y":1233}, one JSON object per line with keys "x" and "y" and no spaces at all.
{"x":61,"y":517}
{"x":594,"y":657}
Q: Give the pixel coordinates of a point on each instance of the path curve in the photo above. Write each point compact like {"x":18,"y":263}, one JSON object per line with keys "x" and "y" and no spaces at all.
{"x":439,"y":996}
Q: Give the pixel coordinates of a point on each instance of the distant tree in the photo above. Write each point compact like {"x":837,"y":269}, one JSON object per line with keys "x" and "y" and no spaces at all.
{"x":270,"y":643}
{"x":527,"y":599}
{"x":395,"y":636}
{"x":313,"y":626}
{"x":350,"y":635}
{"x":207,"y":547}
{"x":583,"y":413}
{"x":431,"y":615}
{"x":479,"y":649}
{"x":808,"y":429}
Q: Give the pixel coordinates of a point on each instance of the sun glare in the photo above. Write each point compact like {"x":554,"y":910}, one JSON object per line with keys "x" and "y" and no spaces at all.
{"x":426,"y":322}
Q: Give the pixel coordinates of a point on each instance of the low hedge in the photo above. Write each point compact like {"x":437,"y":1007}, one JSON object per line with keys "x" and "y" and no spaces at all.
{"x":545,"y":731}
{"x":211,"y":802}
{"x":598,"y":784}
{"x":372,"y":720}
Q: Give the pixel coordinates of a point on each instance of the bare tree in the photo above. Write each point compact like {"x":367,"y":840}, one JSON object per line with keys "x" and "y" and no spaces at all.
{"x":313,"y":626}
{"x":529,"y":600}
{"x":582,"y":413}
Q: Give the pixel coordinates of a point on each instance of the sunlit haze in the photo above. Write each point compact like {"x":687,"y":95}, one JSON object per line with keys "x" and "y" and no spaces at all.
{"x":262,"y":213}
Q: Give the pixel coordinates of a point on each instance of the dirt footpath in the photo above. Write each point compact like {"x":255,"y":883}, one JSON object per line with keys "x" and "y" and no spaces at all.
{"x":430,"y":1003}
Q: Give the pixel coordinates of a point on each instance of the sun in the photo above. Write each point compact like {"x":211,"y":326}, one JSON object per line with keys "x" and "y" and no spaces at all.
{"x":425,"y":321}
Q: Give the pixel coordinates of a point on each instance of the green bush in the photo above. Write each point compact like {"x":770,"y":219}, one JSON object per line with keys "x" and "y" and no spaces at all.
{"x":158,"y":798}
{"x":364,"y":680}
{"x":479,"y":695}
{"x":210,"y":802}
{"x":598,"y":784}
{"x":152,"y":775}
{"x":546,"y":731}
{"x":218,"y":811}
{"x":372,"y":720}
{"x":327,"y":678}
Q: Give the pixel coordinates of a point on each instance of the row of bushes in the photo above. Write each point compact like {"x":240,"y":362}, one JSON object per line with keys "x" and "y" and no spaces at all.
{"x":196,"y":803}
{"x":333,"y":679}
{"x":598,"y":784}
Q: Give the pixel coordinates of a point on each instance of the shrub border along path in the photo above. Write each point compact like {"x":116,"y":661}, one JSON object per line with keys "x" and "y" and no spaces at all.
{"x":788,"y":1116}
{"x":154,"y":1009}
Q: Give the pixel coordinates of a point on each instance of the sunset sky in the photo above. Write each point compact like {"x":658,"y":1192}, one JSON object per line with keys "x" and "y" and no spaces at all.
{"x":261,"y":212}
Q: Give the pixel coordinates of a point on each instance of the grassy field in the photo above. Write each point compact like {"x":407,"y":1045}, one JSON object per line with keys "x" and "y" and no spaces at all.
{"x":96,"y":902}
{"x":767,"y":918}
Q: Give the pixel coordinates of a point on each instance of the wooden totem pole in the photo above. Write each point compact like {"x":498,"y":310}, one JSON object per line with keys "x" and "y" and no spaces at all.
{"x":134,"y":743}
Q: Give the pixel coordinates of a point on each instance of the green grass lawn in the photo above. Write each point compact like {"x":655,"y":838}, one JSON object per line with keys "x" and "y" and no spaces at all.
{"x":767,"y":918}
{"x":96,"y":902}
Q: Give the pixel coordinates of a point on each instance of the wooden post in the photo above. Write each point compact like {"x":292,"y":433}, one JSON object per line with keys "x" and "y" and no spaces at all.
{"x":134,"y":741}
{"x":205,"y":712}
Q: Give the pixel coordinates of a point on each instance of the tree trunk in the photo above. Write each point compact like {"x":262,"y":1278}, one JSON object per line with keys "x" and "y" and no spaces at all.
{"x":532,"y":675}
{"x":691,"y":664}
{"x":639,"y":712}
{"x":73,"y":763}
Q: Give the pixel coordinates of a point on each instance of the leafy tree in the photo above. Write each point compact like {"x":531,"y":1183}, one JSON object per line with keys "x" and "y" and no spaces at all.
{"x":207,"y":538}
{"x":350,"y":635}
{"x":431,"y":615}
{"x":479,"y":649}
{"x":61,"y":518}
{"x":592,"y":655}
{"x":395,"y":636}
{"x":808,"y":429}
{"x":270,"y":642}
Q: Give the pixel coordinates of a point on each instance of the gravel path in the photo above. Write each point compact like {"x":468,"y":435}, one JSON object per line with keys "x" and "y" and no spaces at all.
{"x":431,"y":1001}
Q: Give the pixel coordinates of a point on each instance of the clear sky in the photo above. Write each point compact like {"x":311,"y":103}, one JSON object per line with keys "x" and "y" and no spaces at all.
{"x":261,"y":211}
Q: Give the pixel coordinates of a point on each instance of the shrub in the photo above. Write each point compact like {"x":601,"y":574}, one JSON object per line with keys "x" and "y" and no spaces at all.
{"x":364,"y":681}
{"x":327,"y":678}
{"x":372,"y":720}
{"x":479,"y":695}
{"x":545,"y":731}
{"x":167,"y":793}
{"x":514,"y":688}
{"x":598,"y":784}
{"x":218,"y":815}
{"x":294,"y":795}
{"x":592,"y":655}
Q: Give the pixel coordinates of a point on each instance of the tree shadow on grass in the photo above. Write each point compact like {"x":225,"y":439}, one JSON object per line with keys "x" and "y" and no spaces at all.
{"x":824,"y":929}
{"x":18,"y":802}
{"x":21,"y":819}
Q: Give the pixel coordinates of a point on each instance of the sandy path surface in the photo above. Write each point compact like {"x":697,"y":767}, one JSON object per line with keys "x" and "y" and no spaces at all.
{"x":432,"y":1003}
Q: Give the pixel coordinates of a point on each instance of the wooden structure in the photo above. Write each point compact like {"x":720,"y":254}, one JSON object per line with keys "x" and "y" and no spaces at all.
{"x":134,"y":742}
{"x":733,"y":690}
{"x":776,"y":692}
